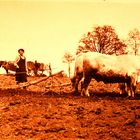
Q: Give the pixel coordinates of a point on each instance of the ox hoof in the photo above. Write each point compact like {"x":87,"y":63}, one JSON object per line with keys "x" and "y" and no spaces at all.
{"x":88,"y":95}
{"x":76,"y":94}
{"x":82,"y":92}
{"x":131,"y":98}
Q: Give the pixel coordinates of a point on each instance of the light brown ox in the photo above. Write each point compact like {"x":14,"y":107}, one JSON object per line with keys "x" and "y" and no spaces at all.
{"x":43,"y":67}
{"x":111,"y":69}
{"x":31,"y":68}
{"x":9,"y":66}
{"x":35,"y":67}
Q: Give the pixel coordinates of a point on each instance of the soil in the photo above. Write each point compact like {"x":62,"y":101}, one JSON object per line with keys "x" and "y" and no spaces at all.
{"x":56,"y":114}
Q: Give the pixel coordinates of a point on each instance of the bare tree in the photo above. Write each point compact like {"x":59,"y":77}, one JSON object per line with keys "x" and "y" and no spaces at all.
{"x":133,"y":40}
{"x":102,"y":39}
{"x":68,"y":58}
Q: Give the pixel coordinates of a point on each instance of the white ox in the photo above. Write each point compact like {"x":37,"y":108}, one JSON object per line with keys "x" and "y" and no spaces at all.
{"x":77,"y":76}
{"x":111,"y":69}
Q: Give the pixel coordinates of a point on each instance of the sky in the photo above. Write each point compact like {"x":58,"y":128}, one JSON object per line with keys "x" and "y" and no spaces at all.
{"x":46,"y":29}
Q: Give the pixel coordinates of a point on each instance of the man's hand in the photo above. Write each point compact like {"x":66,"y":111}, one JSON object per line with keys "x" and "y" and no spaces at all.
{"x":16,"y":65}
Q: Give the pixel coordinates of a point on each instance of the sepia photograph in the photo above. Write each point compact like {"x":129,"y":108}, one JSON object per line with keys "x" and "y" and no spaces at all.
{"x":69,"y":69}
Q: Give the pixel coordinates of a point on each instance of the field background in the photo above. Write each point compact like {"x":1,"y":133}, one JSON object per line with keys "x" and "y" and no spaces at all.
{"x":39,"y":114}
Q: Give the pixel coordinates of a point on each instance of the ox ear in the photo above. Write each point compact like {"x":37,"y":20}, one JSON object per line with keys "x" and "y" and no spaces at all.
{"x":3,"y":63}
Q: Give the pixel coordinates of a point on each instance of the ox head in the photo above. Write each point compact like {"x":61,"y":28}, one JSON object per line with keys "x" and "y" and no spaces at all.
{"x":9,"y":66}
{"x":2,"y":63}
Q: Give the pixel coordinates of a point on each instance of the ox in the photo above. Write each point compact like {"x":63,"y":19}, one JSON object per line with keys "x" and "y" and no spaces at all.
{"x":43,"y":67}
{"x":31,"y":67}
{"x":78,"y":74}
{"x":9,"y":66}
{"x":35,"y":67}
{"x":110,"y":69}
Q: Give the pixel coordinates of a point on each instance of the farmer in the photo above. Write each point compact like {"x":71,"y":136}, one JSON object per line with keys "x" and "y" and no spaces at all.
{"x":21,"y":68}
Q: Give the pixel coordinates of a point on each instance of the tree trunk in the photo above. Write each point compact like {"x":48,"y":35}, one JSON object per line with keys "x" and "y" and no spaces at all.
{"x":135,"y":48}
{"x":69,"y":69}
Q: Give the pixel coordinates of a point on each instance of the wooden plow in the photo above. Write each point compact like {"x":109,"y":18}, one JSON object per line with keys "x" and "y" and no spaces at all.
{"x":44,"y":79}
{"x":56,"y":82}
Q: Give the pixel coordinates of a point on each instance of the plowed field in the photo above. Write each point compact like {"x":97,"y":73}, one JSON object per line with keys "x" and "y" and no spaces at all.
{"x":54,"y":114}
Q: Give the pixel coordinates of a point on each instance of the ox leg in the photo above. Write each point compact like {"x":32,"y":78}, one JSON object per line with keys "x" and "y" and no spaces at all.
{"x":6,"y":71}
{"x":76,"y":85}
{"x":122,"y":88}
{"x":78,"y":79}
{"x":85,"y":87}
{"x":133,"y":90}
{"x":28,"y":73}
{"x":82,"y":83}
{"x":129,"y":88}
{"x":42,"y":72}
{"x":133,"y":85}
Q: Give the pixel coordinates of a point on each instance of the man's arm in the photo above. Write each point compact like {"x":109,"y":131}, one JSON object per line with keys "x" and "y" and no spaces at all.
{"x":16,"y":61}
